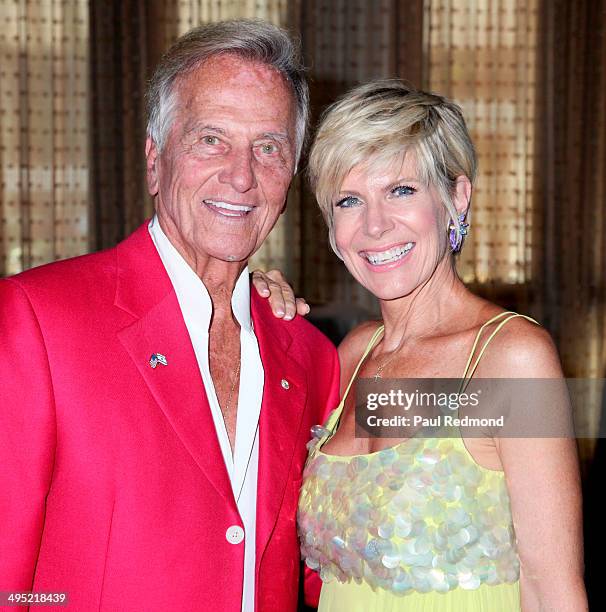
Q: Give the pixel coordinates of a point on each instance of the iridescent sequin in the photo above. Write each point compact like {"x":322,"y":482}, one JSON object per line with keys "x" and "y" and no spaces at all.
{"x":421,"y":516}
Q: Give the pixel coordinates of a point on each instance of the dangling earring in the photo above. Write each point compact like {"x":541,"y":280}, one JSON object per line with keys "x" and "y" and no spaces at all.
{"x":456,"y":241}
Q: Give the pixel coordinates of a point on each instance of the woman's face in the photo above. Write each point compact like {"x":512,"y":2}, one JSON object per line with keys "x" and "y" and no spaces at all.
{"x":390,"y":228}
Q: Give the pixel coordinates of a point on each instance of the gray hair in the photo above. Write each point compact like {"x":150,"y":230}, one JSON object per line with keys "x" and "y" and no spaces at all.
{"x":380,"y":121}
{"x":254,"y":40}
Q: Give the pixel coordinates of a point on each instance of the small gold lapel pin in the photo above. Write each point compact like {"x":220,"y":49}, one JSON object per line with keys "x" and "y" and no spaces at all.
{"x":157,"y":358}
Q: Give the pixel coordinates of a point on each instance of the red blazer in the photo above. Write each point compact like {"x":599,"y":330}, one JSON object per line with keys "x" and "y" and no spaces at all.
{"x":112,"y":484}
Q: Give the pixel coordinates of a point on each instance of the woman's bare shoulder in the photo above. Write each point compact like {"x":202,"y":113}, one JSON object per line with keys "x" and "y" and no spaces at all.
{"x":520,"y":349}
{"x":354,"y":344}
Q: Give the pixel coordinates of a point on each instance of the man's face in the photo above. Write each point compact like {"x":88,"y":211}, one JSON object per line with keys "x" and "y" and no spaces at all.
{"x":220,"y":182}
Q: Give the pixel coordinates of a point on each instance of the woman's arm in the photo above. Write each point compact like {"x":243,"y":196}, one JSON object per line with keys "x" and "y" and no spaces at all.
{"x":543,"y":480}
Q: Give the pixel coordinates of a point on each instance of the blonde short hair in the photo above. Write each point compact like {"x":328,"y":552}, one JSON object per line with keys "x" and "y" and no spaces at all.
{"x":381,"y":121}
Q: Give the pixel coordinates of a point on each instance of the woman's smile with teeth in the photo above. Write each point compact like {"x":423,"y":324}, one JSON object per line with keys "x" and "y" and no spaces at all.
{"x":377,"y":258}
{"x":227,"y":209}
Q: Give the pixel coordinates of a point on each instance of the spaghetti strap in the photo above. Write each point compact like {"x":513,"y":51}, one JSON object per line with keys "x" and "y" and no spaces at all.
{"x":371,"y":344}
{"x":469,"y":369}
{"x":336,"y":414}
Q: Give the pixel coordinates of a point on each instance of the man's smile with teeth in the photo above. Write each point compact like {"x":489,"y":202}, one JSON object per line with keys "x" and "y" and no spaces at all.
{"x":227,"y":209}
{"x":384,"y":257}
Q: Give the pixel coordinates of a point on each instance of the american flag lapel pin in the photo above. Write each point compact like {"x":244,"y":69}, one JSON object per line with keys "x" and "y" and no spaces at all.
{"x":157,"y":358}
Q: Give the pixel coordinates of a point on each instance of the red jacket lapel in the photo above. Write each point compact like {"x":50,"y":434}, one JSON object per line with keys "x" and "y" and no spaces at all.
{"x":144,"y":290}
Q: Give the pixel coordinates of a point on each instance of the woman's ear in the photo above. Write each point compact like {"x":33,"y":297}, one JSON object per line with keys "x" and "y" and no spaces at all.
{"x":462,"y":194}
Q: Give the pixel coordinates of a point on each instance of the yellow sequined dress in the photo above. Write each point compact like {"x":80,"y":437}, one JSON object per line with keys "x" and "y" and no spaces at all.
{"x":418,"y":527}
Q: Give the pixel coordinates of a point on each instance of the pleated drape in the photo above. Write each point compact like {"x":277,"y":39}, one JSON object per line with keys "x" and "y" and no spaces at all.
{"x":484,"y":56}
{"x":44,"y":132}
{"x":571,"y":129}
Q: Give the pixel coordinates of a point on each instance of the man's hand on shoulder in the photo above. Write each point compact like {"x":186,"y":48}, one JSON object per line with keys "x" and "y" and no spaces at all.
{"x":273,"y":286}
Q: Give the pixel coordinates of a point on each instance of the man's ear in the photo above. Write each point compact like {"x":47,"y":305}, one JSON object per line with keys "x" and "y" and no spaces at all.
{"x":462,"y":195}
{"x":151,"y":155}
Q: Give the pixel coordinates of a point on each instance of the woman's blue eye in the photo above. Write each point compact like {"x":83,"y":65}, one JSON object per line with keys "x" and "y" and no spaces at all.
{"x":403,"y":190}
{"x":347,"y":202}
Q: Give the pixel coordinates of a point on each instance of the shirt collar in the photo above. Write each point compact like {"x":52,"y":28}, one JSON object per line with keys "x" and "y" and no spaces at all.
{"x":190,"y":289}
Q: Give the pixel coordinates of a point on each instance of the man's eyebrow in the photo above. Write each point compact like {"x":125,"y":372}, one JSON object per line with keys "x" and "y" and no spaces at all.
{"x":282,"y":136}
{"x":196,"y":126}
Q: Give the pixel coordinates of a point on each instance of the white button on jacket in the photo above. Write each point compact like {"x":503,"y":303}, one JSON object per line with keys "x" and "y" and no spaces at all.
{"x":234,"y":534}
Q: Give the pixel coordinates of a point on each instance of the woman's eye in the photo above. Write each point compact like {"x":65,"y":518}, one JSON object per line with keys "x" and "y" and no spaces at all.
{"x":403,"y":190}
{"x":210,"y":140}
{"x":347,"y":202}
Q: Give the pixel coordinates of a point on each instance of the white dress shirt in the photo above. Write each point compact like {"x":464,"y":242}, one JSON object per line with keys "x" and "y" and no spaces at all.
{"x":242,"y":467}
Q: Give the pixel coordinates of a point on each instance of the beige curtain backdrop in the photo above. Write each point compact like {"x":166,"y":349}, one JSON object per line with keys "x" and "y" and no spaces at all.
{"x":44,"y":132}
{"x":483,"y":55}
